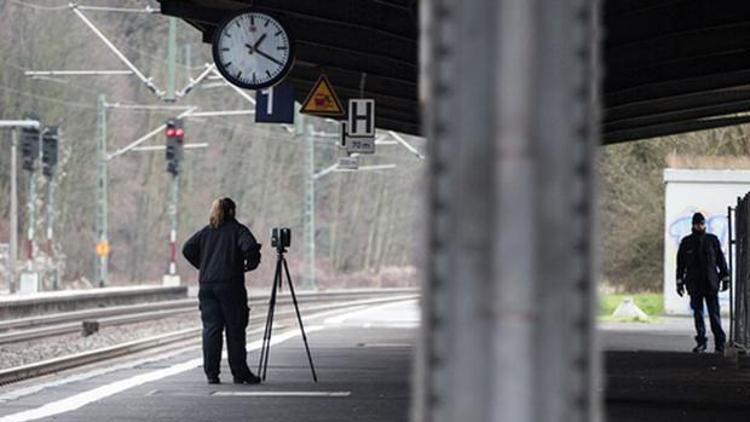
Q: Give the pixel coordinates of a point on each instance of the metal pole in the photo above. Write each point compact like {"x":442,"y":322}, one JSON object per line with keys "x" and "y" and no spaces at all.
{"x":13,"y":210}
{"x":730,"y":243}
{"x":188,"y":63}
{"x":171,"y":78}
{"x":50,"y":229}
{"x":508,"y":295}
{"x":31,"y":207}
{"x":102,"y":190}
{"x":174,"y":201}
{"x":50,"y":209}
{"x":171,"y":59}
{"x":309,"y":204}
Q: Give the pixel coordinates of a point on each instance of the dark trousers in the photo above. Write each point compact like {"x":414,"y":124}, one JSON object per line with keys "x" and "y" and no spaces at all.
{"x":224,"y":306}
{"x":712,"y":302}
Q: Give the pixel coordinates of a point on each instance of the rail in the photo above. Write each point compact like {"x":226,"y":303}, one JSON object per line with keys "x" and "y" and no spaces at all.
{"x":332,"y":302}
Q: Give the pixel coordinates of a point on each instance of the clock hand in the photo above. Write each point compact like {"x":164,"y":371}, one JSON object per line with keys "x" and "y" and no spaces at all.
{"x":260,"y":40}
{"x":250,"y":47}
{"x":269,"y":57}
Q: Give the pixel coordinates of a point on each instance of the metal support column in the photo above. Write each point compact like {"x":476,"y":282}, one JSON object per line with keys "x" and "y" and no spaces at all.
{"x":50,"y":230}
{"x":188,"y":63}
{"x":102,"y":182}
{"x":13,"y":259}
{"x":171,"y":59}
{"x":306,"y":128}
{"x":31,"y":207}
{"x":509,"y":89}
{"x":173,"y":205}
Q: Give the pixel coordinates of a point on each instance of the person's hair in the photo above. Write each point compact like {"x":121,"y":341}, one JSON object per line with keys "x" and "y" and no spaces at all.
{"x":222,"y":209}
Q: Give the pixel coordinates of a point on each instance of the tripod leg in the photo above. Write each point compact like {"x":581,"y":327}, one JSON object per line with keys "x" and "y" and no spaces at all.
{"x":299,"y":320}
{"x":269,"y":322}
{"x":277,"y":284}
{"x":265,"y":331}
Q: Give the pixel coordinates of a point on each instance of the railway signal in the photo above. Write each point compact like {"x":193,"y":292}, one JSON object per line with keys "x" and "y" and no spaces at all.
{"x":49,"y":151}
{"x":29,"y":145}
{"x":175,"y":142}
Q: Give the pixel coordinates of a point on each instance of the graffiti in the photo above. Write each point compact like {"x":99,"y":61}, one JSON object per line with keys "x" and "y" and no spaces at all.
{"x":682,"y":225}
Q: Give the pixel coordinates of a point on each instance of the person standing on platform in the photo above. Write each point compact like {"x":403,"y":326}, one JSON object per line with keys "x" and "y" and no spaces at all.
{"x":701,"y":266}
{"x":222,"y":252}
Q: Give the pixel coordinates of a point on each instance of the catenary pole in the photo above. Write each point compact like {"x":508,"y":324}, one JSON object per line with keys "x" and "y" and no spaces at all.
{"x":102,"y":194}
{"x":304,"y":128}
{"x":13,"y":259}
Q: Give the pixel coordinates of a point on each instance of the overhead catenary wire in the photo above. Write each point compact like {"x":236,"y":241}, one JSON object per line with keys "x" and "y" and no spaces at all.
{"x":38,"y":6}
{"x":126,"y":46}
{"x":48,"y":99}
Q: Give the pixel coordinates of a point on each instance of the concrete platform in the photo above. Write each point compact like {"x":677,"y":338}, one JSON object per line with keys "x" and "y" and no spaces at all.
{"x":24,"y":305}
{"x":652,"y":376}
{"x":363,"y":360}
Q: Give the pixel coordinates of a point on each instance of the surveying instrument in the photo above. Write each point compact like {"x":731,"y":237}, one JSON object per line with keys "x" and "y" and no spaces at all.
{"x":281,"y":239}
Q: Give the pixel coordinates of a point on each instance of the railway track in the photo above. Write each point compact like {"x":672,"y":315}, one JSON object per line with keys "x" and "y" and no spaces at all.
{"x":25,"y":329}
{"x":332,"y":302}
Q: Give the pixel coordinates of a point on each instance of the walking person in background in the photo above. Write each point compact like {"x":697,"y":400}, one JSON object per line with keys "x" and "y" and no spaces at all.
{"x":222,"y":252}
{"x":700,"y":267}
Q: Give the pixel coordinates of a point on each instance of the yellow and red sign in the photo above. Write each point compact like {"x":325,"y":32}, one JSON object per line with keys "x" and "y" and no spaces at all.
{"x":322,"y":100}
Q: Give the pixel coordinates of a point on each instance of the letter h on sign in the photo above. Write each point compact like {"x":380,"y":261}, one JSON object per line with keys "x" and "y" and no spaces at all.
{"x":361,"y":121}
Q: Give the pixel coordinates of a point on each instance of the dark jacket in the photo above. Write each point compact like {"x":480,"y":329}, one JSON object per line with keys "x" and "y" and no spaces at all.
{"x":701,"y":263}
{"x":223,"y":254}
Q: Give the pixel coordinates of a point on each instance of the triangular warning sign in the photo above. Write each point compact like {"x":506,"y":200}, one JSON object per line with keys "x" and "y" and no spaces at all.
{"x":322,"y":100}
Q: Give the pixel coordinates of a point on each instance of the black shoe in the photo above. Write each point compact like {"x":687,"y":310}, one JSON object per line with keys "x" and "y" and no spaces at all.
{"x":250,"y":378}
{"x":214,"y":380}
{"x":700,"y":348}
{"x":719,"y":349}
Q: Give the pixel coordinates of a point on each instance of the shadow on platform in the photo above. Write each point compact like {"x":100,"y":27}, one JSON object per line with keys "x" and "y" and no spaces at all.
{"x":676,"y":386}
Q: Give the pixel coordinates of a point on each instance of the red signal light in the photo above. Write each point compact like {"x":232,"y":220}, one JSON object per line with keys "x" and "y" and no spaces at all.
{"x":179,"y":133}
{"x":171,"y":131}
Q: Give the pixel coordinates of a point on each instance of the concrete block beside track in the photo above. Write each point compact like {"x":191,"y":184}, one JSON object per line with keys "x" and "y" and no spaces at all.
{"x":19,"y":306}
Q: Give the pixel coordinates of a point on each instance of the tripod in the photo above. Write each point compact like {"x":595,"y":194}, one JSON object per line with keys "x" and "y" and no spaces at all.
{"x":265,"y":350}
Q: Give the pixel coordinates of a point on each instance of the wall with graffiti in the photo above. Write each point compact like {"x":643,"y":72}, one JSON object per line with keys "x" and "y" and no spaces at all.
{"x":710,"y":192}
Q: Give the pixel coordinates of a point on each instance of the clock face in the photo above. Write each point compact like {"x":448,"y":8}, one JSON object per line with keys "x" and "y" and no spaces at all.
{"x":252,"y":50}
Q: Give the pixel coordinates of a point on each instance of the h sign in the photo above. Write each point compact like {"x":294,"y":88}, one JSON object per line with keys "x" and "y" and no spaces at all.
{"x":361,"y":121}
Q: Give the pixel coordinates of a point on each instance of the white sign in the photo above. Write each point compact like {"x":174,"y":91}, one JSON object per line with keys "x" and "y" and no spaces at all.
{"x":361,"y":121}
{"x":348,"y":163}
{"x":170,"y":280}
{"x":29,"y":283}
{"x":360,"y":145}
{"x":356,"y":144}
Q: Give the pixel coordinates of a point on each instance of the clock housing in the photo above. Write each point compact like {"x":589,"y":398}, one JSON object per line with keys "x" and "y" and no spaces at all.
{"x":253,"y":50}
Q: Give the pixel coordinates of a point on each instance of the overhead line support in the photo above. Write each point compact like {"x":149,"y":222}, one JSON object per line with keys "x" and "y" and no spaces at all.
{"x":147,"y":81}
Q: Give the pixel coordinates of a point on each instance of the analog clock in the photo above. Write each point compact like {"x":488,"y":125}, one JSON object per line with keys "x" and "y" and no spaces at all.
{"x":252,"y":50}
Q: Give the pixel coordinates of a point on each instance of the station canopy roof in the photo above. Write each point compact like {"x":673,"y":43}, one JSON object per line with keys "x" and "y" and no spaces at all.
{"x":669,"y":66}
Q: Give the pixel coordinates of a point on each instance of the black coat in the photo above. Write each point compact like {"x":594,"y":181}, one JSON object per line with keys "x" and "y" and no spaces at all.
{"x":223,"y":254}
{"x":701,"y":263}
